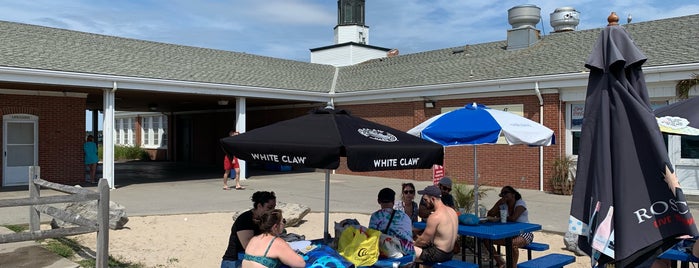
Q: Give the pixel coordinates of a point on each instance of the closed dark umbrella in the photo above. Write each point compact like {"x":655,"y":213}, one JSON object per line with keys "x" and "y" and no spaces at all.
{"x":321,"y":138}
{"x":622,"y":208}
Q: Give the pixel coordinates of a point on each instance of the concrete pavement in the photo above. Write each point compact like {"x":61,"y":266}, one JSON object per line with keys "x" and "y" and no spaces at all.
{"x":168,"y":188}
{"x":162,"y":189}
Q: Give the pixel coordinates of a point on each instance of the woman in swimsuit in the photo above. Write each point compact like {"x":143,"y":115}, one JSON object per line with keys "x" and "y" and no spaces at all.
{"x":267,"y":249}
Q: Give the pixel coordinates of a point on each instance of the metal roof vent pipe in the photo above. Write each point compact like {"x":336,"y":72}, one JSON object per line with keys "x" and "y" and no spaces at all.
{"x":523,"y":19}
{"x":565,"y":19}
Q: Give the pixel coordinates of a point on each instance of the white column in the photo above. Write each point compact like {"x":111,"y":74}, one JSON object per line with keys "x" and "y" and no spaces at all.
{"x":108,"y":136}
{"x":240,"y":108}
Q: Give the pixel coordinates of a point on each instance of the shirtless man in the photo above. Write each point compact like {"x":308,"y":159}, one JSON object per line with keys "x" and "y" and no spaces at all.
{"x":436,"y":243}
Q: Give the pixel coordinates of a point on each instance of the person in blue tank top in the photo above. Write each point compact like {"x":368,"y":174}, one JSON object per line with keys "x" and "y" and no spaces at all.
{"x":267,"y":249}
{"x":91,"y":157}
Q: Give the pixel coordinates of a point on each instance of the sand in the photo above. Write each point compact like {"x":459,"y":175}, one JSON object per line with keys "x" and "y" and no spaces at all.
{"x":199,"y":240}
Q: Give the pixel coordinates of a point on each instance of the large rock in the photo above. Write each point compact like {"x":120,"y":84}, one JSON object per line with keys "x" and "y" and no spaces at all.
{"x":293,"y":213}
{"x":571,"y":242}
{"x":88,"y":210}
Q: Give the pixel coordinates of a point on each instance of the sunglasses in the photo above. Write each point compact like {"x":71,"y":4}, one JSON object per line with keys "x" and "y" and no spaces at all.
{"x":409,"y":192}
{"x":503,"y":193}
{"x":444,"y":188}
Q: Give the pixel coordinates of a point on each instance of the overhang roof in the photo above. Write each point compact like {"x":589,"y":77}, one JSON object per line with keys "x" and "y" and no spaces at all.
{"x":666,"y":42}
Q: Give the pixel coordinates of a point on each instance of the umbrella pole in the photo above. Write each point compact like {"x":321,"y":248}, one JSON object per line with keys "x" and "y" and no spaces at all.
{"x":326,"y":234}
{"x":475,"y":176}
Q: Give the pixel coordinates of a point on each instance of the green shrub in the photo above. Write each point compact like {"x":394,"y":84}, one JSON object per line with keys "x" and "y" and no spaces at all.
{"x":59,"y":248}
{"x":17,"y":228}
{"x":123,"y":152}
{"x":130,"y":153}
{"x":464,"y":197}
{"x":111,"y":262}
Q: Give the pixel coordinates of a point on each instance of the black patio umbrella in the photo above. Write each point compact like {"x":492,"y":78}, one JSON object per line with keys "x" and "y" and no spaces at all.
{"x":622,"y":209}
{"x":320,"y":138}
{"x":680,"y":118}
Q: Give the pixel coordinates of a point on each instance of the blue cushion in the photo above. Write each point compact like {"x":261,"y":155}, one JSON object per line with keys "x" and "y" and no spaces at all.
{"x":468,"y":219}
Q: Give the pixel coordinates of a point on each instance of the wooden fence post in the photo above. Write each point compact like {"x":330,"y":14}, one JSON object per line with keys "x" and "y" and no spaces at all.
{"x":103,"y":222}
{"x":34,"y":214}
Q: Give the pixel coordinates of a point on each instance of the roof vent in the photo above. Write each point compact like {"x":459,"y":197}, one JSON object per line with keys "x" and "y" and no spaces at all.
{"x":392,"y":53}
{"x":564,"y":19}
{"x":523,"y":19}
{"x":524,"y":16}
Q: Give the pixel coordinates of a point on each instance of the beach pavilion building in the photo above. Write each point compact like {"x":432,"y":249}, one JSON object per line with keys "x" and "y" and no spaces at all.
{"x":178,"y":101}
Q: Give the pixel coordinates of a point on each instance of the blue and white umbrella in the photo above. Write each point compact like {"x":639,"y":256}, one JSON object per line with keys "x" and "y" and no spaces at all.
{"x":477,"y":124}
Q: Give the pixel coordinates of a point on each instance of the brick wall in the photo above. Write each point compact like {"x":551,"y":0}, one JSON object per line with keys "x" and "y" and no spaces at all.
{"x":61,"y":130}
{"x":498,"y":165}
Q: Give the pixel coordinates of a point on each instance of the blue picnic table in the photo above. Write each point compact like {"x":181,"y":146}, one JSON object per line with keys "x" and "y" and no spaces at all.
{"x":493,"y":231}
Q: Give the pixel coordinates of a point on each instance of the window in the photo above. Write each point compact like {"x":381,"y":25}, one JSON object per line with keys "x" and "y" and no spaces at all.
{"x":577,"y":111}
{"x":123,"y":131}
{"x":575,"y":120}
{"x":154,"y":131}
{"x":131,"y":135}
{"x":117,"y":130}
{"x":689,"y":147}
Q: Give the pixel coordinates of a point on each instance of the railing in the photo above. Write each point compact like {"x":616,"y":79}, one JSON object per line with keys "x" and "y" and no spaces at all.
{"x":38,"y":205}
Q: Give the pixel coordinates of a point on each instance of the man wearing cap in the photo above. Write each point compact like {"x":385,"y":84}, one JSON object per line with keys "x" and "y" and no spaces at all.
{"x":448,"y":200}
{"x":436,"y":243}
{"x":393,"y":222}
{"x":445,"y":187}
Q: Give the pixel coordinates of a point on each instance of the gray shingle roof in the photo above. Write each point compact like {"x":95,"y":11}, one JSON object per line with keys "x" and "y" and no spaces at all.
{"x":665,"y":42}
{"x":36,"y":47}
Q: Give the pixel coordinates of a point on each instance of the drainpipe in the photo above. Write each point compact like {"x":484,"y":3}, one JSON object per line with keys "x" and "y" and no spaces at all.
{"x":541,"y":148}
{"x":331,"y":102}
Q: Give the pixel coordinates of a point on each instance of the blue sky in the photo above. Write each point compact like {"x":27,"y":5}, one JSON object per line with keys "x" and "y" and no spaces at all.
{"x":289,"y":28}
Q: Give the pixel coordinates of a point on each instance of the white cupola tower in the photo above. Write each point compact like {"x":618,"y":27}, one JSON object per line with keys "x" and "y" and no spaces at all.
{"x":350,"y":22}
{"x":351,"y":38}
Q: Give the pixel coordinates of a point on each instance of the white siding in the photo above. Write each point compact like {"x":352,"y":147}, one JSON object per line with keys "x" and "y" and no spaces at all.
{"x":352,"y":33}
{"x":346,"y":55}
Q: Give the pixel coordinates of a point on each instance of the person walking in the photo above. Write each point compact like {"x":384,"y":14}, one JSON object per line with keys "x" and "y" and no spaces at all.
{"x":91,"y":157}
{"x":229,"y":164}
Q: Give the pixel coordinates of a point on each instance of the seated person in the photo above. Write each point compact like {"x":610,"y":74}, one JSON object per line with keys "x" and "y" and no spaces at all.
{"x":245,"y":226}
{"x":436,"y":243}
{"x":444,"y":185}
{"x":406,"y":203}
{"x":516,"y":212}
{"x":267,"y":249}
{"x":393,"y":222}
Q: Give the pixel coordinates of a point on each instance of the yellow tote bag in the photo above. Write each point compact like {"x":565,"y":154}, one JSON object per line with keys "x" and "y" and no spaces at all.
{"x":359,"y":246}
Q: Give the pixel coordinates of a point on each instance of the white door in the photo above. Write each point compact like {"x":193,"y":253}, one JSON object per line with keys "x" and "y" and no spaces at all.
{"x":19,"y":148}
